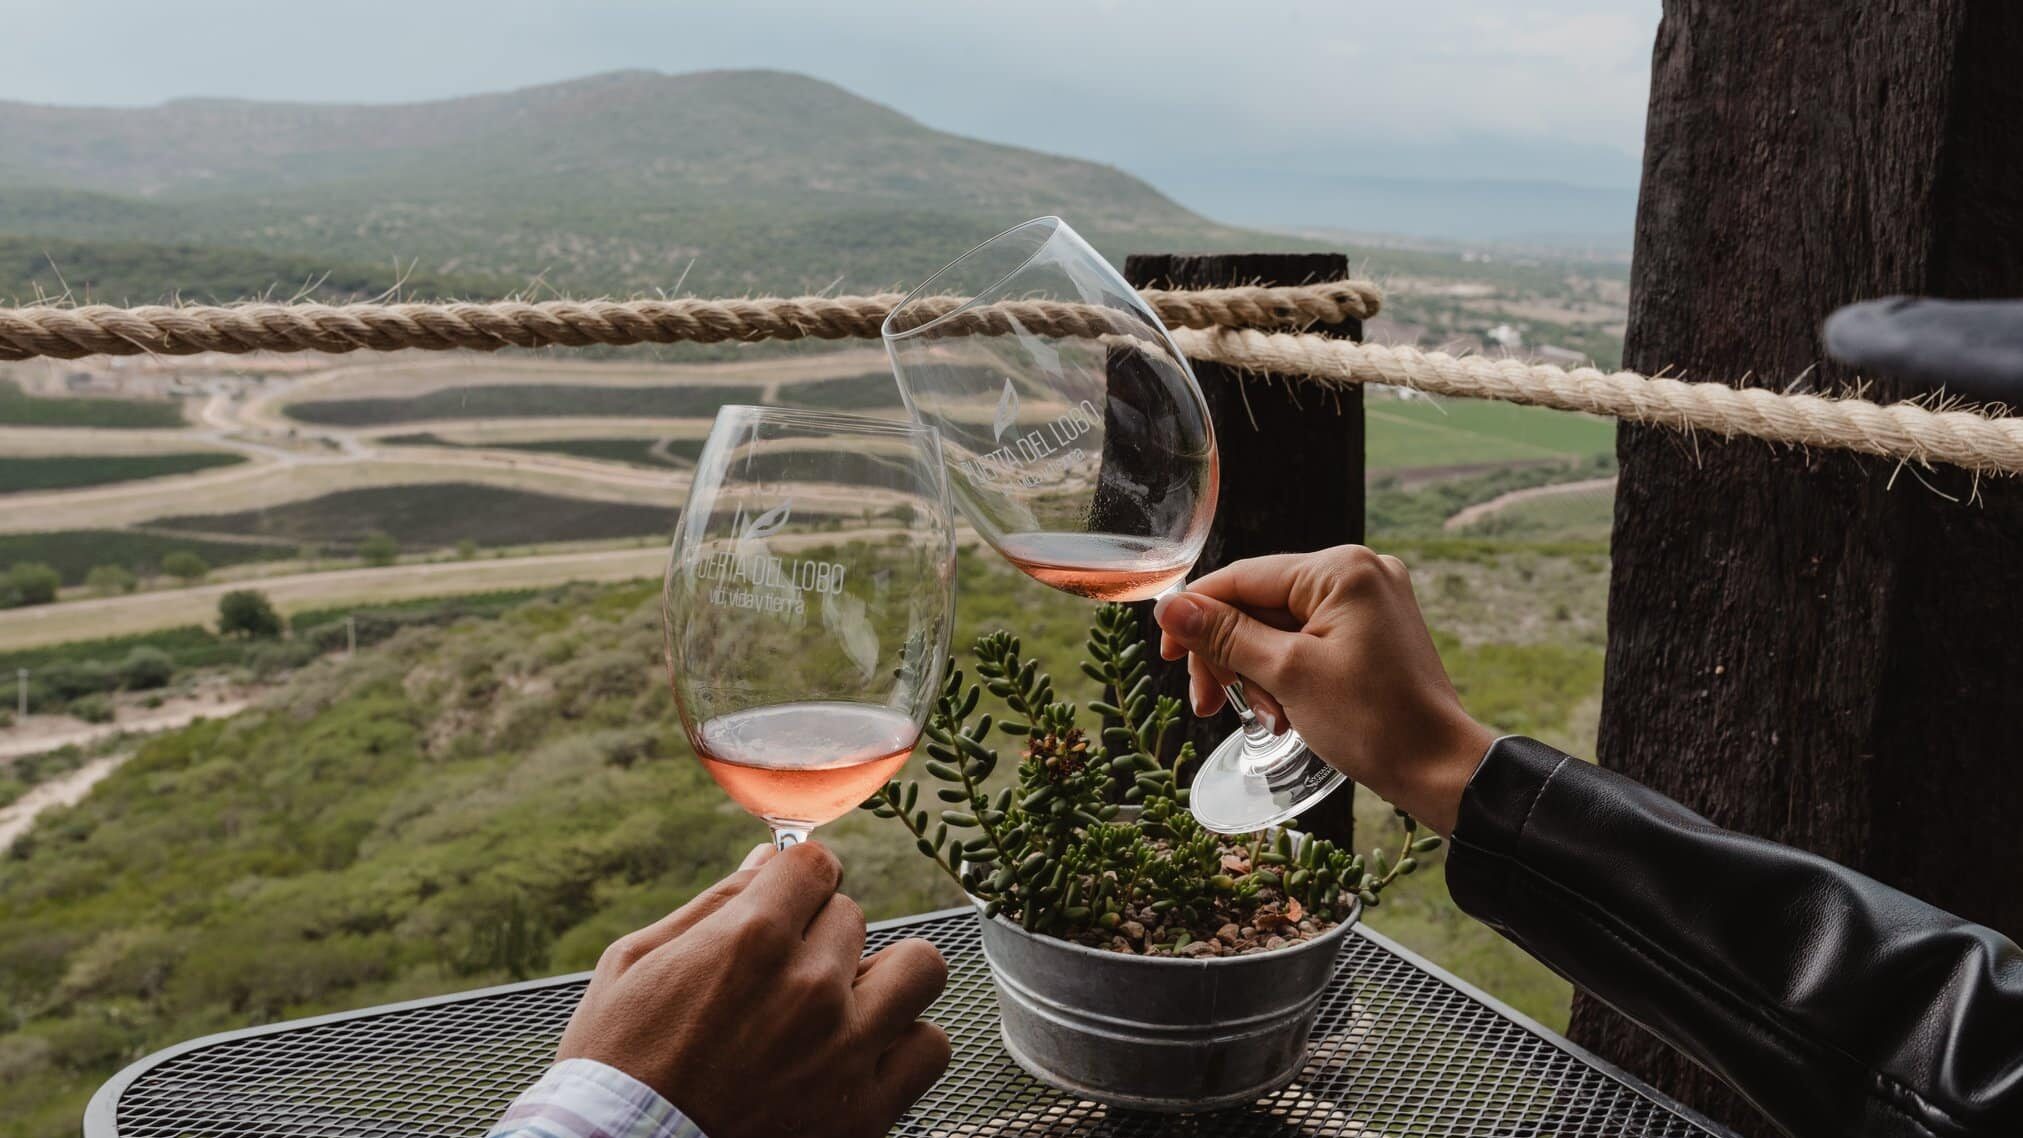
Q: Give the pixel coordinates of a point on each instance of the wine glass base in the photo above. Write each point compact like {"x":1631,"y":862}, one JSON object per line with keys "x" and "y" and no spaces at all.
{"x":1245,"y":786}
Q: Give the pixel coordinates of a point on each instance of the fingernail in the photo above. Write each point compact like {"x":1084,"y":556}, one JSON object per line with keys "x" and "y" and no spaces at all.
{"x":1269,"y":720}
{"x":757,"y":855}
{"x":1179,"y":614}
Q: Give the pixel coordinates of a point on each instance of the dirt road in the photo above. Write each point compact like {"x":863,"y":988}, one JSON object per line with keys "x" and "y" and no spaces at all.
{"x":47,"y":733}
{"x":1483,"y":510}
{"x":168,"y":608}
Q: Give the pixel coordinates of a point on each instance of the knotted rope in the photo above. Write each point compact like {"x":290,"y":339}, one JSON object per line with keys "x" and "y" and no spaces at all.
{"x":1983,"y":443}
{"x":68,"y":333}
{"x":1225,"y":326}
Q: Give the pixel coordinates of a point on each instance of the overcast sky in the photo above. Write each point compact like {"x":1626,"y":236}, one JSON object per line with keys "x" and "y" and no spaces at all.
{"x":1452,"y":89}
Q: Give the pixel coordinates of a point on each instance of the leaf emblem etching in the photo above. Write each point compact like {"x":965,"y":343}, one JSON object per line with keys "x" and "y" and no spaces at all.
{"x":768,"y":523}
{"x":846,"y":618}
{"x":1007,"y":411}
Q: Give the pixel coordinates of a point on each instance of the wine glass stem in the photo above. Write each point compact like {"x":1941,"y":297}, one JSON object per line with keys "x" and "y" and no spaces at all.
{"x":1254,"y":730}
{"x":786,"y":836}
{"x":1255,"y":734}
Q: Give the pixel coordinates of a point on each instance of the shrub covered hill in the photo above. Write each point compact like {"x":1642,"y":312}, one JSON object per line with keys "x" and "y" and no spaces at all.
{"x":499,"y":796}
{"x":743,"y":180}
{"x":454,"y":807}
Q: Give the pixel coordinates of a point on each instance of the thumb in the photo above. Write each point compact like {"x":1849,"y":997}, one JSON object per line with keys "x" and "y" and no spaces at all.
{"x":1226,"y":638}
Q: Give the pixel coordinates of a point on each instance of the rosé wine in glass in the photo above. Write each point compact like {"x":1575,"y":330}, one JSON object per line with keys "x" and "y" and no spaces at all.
{"x":802,"y":764}
{"x":1100,"y":566}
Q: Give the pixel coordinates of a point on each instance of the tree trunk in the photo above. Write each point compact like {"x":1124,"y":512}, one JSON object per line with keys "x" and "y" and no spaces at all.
{"x":1820,"y":649}
{"x":1291,"y":464}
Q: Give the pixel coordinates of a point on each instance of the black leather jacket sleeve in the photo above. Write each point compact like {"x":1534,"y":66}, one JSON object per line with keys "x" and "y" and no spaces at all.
{"x":1839,"y":1006}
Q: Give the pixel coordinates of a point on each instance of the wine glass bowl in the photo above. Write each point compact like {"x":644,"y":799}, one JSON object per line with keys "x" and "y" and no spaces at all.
{"x":1080,"y":447}
{"x":807,"y":607}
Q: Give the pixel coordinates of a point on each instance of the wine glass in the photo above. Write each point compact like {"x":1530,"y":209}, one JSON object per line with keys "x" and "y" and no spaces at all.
{"x":808,"y":603}
{"x":1081,"y":448}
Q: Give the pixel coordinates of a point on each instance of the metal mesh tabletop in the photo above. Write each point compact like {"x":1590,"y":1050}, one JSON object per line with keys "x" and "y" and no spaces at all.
{"x":1400,"y":1049}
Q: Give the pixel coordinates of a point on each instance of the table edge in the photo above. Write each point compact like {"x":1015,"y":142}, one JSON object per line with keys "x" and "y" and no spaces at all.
{"x":101,"y":1118}
{"x":1548,"y":1035}
{"x":101,"y":1114}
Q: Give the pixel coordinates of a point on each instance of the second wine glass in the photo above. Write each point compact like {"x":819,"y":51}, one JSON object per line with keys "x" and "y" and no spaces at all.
{"x":1080,"y":446}
{"x":808,"y":604}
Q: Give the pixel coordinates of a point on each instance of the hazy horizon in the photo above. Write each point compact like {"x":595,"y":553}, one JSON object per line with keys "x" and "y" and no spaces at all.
{"x":1302,"y":119}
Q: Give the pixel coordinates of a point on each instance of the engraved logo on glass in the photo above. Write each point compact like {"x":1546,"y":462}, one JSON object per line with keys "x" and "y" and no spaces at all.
{"x":749,"y":576}
{"x":1036,"y":457}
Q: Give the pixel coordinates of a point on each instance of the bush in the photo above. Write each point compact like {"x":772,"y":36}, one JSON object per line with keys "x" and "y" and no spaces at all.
{"x":248,"y":613}
{"x":186,"y":566}
{"x":269,"y":660}
{"x":146,"y":667}
{"x":70,"y":680}
{"x":29,"y":583}
{"x":108,"y":580}
{"x":379,"y":548}
{"x":94,"y":708}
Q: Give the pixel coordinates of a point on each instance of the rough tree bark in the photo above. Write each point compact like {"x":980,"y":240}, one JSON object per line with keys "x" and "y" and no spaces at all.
{"x":1292,"y":462}
{"x":1816,"y":648}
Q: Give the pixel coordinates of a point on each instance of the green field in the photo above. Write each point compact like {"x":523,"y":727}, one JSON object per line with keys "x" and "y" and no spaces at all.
{"x":61,"y":472}
{"x":1584,"y":514}
{"x":634,"y":451}
{"x":520,"y":401}
{"x":865,"y":392}
{"x":1403,"y":434}
{"x":191,"y":646}
{"x":1393,"y":510}
{"x":61,"y":673}
{"x":20,"y":409}
{"x":74,"y":553}
{"x":437,"y":515}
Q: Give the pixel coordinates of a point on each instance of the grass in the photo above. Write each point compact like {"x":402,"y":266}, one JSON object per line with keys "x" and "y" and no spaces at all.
{"x":1393,"y":511}
{"x":74,"y":553}
{"x":62,"y":472}
{"x":516,"y":401}
{"x":144,"y":612}
{"x":60,"y":672}
{"x":20,"y":409}
{"x":21,"y":774}
{"x":437,"y":515}
{"x":635,"y":451}
{"x":488,"y":604}
{"x":869,"y":391}
{"x":1403,"y":434}
{"x":1581,"y":514}
{"x":190,"y":646}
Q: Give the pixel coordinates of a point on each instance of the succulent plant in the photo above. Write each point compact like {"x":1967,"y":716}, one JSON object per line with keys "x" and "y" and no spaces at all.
{"x":1053,"y":848}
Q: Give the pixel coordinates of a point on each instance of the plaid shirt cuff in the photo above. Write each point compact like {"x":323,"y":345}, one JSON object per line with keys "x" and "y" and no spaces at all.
{"x":582,"y":1098}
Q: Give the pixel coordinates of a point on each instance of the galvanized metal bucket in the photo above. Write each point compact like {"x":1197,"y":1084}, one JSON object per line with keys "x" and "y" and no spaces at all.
{"x":1152,"y":1033}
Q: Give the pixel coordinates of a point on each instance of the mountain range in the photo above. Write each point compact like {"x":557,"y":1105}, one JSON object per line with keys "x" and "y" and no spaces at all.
{"x":713,"y":182}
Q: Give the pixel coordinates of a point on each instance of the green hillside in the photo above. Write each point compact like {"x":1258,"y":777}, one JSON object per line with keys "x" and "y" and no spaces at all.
{"x":465,"y":803}
{"x":764,"y":180}
{"x":39,"y":267}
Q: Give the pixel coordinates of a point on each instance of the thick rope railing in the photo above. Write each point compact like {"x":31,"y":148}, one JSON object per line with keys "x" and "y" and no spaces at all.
{"x":1240,"y":327}
{"x":1987,"y":444}
{"x":69,"y":333}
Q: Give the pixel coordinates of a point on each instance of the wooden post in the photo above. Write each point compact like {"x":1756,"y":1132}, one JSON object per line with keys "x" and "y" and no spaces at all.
{"x":1292,"y":461}
{"x":1816,"y":648}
